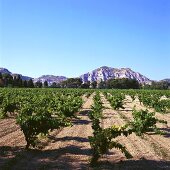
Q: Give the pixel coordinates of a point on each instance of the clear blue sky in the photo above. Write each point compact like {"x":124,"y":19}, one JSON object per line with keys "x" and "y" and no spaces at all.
{"x":71,"y":37}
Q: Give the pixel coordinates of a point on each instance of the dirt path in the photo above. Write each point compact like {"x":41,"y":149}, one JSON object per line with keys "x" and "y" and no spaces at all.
{"x":11,"y":140}
{"x":10,"y":133}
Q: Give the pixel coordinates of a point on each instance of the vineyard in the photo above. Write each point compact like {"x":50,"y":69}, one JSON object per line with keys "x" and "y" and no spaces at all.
{"x":84,"y":129}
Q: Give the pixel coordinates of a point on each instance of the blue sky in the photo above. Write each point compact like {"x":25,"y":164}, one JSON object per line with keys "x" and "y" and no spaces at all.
{"x":71,"y":37}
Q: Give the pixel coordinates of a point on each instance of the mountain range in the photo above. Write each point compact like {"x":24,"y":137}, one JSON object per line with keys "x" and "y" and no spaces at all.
{"x":103,"y":73}
{"x":50,"y":79}
{"x":167,"y":80}
{"x":6,"y":71}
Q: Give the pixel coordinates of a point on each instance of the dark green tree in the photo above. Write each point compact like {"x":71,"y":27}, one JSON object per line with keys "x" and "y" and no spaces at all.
{"x":94,"y":84}
{"x":38,"y":84}
{"x":8,"y":80}
{"x":102,"y":84}
{"x":123,"y":83}
{"x":45,"y":84}
{"x":1,"y":81}
{"x":55,"y":85}
{"x":15,"y":84}
{"x":72,"y":83}
{"x":85,"y":85}
{"x":25,"y":84}
{"x":0,"y":75}
{"x":30,"y":83}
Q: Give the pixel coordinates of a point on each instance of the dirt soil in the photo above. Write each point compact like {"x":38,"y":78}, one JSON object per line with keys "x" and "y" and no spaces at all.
{"x":69,"y":148}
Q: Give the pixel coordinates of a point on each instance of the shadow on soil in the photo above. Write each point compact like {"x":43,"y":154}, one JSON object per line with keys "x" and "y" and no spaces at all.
{"x":84,"y":112}
{"x":67,"y":138}
{"x":82,"y":121}
{"x":167,"y":131}
{"x":135,"y":165}
{"x":17,"y":158}
{"x":126,"y":110}
{"x":59,"y":159}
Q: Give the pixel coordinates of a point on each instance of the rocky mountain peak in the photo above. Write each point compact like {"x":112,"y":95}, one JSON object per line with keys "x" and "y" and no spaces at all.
{"x":4,"y":71}
{"x":50,"y":79}
{"x":104,"y":73}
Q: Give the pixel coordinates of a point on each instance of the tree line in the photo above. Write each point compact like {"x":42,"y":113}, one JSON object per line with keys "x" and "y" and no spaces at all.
{"x":7,"y":80}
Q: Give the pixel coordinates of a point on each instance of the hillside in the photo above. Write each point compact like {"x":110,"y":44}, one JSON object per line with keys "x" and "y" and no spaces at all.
{"x":166,"y":80}
{"x":50,"y":79}
{"x":6,"y":71}
{"x":103,"y":73}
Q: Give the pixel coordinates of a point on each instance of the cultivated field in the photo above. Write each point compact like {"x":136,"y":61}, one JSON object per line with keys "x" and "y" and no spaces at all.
{"x":67,"y":146}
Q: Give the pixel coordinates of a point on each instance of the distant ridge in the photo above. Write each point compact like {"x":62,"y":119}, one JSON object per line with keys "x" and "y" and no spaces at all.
{"x":50,"y":79}
{"x":6,"y":71}
{"x":166,"y":80}
{"x":103,"y":73}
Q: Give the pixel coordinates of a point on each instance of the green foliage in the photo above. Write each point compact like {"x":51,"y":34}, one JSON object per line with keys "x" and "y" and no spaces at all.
{"x":96,"y":113}
{"x":88,"y":94}
{"x":145,"y":121}
{"x":38,"y":84}
{"x":7,"y":107}
{"x":161,"y":85}
{"x":68,"y":105}
{"x":101,"y":141}
{"x":40,"y":110}
{"x":162,"y":106}
{"x":72,"y":83}
{"x":45,"y":114}
{"x":133,"y":96}
{"x":30,"y":83}
{"x":116,"y":101}
{"x":8,"y":104}
{"x":94,"y":84}
{"x":45,"y":84}
{"x":123,"y":83}
{"x":37,"y":120}
{"x":154,"y":101}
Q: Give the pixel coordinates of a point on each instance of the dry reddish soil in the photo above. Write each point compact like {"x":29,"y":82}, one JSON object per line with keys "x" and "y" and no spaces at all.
{"x":69,"y":148}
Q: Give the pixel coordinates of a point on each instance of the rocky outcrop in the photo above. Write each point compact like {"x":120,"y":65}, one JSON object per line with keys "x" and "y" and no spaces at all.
{"x":104,"y":73}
